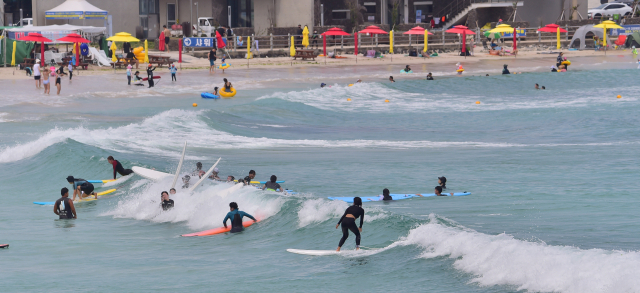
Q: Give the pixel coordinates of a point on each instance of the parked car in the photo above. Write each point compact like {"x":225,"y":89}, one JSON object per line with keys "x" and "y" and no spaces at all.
{"x":25,"y":22}
{"x":609,"y":9}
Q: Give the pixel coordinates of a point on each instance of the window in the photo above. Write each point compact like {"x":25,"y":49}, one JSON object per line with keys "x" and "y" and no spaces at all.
{"x":340,"y":14}
{"x":171,"y":14}
{"x":370,"y":6}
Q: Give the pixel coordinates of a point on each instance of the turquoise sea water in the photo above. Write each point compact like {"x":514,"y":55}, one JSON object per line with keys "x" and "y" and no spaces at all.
{"x":553,"y":176}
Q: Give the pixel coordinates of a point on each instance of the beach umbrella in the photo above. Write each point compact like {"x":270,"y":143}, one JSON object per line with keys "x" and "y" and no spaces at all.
{"x":146,"y":51}
{"x":122,"y":37}
{"x":36,"y":37}
{"x":461,"y":29}
{"x":249,"y":47}
{"x":502,"y":28}
{"x":426,"y":40}
{"x":305,"y":37}
{"x":334,"y":31}
{"x":492,"y":35}
{"x":553,"y":28}
{"x":113,"y":52}
{"x":391,"y":42}
{"x":372,"y":30}
{"x":607,"y":24}
{"x":13,"y":55}
{"x":76,"y":39}
{"x":419,"y":31}
{"x":292,"y":50}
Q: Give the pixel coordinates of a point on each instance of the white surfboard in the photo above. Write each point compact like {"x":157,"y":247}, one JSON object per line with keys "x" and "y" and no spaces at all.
{"x":313,"y":252}
{"x":228,"y":191}
{"x":150,"y":174}
{"x":175,"y":179}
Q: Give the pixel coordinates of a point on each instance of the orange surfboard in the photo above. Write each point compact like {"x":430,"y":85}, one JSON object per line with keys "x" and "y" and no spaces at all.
{"x":218,"y":230}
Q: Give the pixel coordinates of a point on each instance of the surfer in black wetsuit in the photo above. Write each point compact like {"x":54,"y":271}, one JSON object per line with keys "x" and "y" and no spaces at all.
{"x":80,"y":187}
{"x":247,"y":180}
{"x":385,"y":195}
{"x":348,"y":221}
{"x":272,"y":185}
{"x":117,"y":167}
{"x":438,"y":191}
{"x":167,"y":203}
{"x":150,"y":75}
{"x":236,"y":216}
{"x":64,"y":206}
{"x":442,"y":181}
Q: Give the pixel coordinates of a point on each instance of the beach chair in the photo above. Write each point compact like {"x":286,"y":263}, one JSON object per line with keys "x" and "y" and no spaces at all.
{"x":620,"y":41}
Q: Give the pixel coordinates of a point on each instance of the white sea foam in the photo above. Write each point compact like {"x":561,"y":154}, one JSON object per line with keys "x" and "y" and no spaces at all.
{"x":538,"y":267}
{"x":319,"y":210}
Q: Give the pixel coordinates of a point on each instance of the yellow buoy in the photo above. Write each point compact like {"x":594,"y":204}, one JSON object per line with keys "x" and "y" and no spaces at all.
{"x":619,"y":96}
{"x":351,"y":84}
{"x":348,"y":99}
{"x":477,"y":102}
{"x":195,"y":104}
{"x":386,"y":101}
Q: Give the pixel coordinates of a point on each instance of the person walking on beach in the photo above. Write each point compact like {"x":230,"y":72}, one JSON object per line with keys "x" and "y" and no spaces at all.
{"x":129,"y":74}
{"x":167,"y":37}
{"x":117,"y":167}
{"x":173,"y":71}
{"x":58,"y":80}
{"x":348,"y":221}
{"x":150,"y":75}
{"x":45,"y":81}
{"x":64,"y":206}
{"x":70,"y":68}
{"x":36,"y":73}
{"x":212,"y":60}
{"x":236,"y":216}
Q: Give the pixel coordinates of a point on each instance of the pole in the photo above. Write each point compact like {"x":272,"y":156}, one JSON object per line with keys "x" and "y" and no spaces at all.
{"x":271,"y":41}
{"x":197,"y":17}
{"x":322,"y":17}
{"x":191,"y":15}
{"x":20,"y":17}
{"x":229,"y":15}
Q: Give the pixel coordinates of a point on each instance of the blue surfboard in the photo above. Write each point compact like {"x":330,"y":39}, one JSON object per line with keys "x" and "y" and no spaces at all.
{"x":395,"y":196}
{"x":209,"y":96}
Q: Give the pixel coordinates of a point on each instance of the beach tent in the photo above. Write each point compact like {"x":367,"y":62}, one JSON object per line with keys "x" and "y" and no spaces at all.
{"x":633,"y":40}
{"x":75,"y":9}
{"x":580,"y":35}
{"x":23,"y":49}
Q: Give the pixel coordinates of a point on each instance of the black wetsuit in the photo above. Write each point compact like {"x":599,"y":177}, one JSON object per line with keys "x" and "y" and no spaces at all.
{"x":559,"y":61}
{"x":350,"y":224}
{"x":247,"y":180}
{"x":429,"y":77}
{"x":272,"y":185}
{"x":150,"y":76}
{"x":64,"y":208}
{"x":387,"y":197}
{"x":167,"y":204}
{"x":117,"y":167}
{"x":505,"y":71}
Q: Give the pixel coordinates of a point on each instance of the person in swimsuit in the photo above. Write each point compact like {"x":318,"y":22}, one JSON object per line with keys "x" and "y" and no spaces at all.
{"x":385,"y":195}
{"x":80,"y":187}
{"x":215,"y":91}
{"x":167,"y":203}
{"x":236,"y":216}
{"x":173,"y":71}
{"x":117,"y":167}
{"x":407,"y":69}
{"x":45,"y":81}
{"x":247,"y":180}
{"x":64,"y":206}
{"x":58,"y":82}
{"x":442,"y":181}
{"x":150,"y":75}
{"x":272,"y":185}
{"x":348,"y":221}
{"x":391,"y":79}
{"x":227,"y":86}
{"x":438,"y":191}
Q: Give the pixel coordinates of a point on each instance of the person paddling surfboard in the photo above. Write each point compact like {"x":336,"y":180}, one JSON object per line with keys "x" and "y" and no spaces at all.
{"x":236,"y":216}
{"x":272,"y":185}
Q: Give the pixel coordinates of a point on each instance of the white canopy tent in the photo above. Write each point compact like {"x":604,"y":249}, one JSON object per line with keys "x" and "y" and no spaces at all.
{"x":54,"y":32}
{"x":76,"y":9}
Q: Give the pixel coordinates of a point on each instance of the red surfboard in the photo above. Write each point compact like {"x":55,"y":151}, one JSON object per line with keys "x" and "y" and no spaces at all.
{"x":155,"y":77}
{"x":218,"y":230}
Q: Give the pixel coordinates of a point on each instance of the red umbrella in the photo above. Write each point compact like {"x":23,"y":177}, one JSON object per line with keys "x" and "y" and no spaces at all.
{"x":334,"y":31}
{"x":372,"y":30}
{"x":416,"y":31}
{"x":515,"y":43}
{"x":461,"y":29}
{"x":76,"y":39}
{"x":551,"y":28}
{"x":36,"y":37}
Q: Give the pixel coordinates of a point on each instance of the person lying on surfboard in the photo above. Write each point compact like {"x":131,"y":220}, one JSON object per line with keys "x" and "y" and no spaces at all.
{"x":236,"y":216}
{"x":117,"y":167}
{"x":272,"y":185}
{"x":167,"y":203}
{"x":348,"y":221}
{"x":437,"y":191}
{"x":80,"y":187}
{"x":64,"y":206}
{"x":385,"y":195}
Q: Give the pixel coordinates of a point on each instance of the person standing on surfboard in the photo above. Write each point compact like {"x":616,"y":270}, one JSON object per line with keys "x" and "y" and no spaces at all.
{"x":117,"y":167}
{"x":348,"y":221}
{"x":272,"y":185}
{"x":236,"y":216}
{"x":81,"y":186}
{"x":64,"y":206}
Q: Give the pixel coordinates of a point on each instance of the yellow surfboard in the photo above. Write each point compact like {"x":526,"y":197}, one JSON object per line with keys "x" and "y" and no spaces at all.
{"x":90,"y":198}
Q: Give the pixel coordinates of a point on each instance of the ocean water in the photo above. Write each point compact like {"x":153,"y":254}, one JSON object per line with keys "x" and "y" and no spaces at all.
{"x":553,"y":176}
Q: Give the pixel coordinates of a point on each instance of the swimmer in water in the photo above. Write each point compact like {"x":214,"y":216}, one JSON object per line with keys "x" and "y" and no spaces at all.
{"x":429,"y":76}
{"x":438,"y":191}
{"x":230,"y":178}
{"x":385,"y":195}
{"x":198,"y":172}
{"x":247,"y":180}
{"x":537,"y":86}
{"x":391,"y":79}
{"x":64,"y":206}
{"x":442,"y":181}
{"x":407,"y":69}
{"x":185,"y":181}
{"x":324,"y":84}
{"x":227,"y":85}
{"x":272,"y":185}
{"x":236,"y":216}
{"x":167,"y":203}
{"x":359,"y":81}
{"x":544,"y":88}
{"x":505,"y":70}
{"x":172,"y":191}
{"x":215,"y":91}
{"x":348,"y":221}
{"x":555,"y":69}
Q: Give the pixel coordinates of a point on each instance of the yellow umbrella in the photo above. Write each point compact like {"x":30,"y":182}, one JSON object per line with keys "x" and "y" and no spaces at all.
{"x":146,"y":52}
{"x":13,"y":55}
{"x":305,"y":37}
{"x":391,"y":41}
{"x":426,"y":39}
{"x":558,"y":38}
{"x":113,"y":52}
{"x":292,"y":50}
{"x":248,"y":47}
{"x":503,"y":28}
{"x":123,"y":37}
{"x":607,"y":24}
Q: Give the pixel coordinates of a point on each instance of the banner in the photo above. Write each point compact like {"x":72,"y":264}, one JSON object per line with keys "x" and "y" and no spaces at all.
{"x":520,"y":33}
{"x":198,"y":42}
{"x":51,"y":35}
{"x":625,"y":31}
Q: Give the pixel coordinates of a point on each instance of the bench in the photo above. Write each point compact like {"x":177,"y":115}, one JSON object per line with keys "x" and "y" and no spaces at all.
{"x":305,"y":54}
{"x":118,"y":64}
{"x":159,"y":60}
{"x":27,"y":62}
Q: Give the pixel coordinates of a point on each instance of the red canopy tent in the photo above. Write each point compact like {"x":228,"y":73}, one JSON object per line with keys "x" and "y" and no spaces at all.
{"x":75,"y":39}
{"x":461,"y":29}
{"x":372,"y":30}
{"x":36,"y":37}
{"x":551,"y":28}
{"x":334,"y":31}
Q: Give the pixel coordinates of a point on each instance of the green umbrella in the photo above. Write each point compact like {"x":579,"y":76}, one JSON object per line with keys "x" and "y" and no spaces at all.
{"x":492,"y":35}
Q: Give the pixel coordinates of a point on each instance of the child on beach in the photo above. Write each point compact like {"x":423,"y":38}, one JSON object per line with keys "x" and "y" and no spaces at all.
{"x":45,"y":81}
{"x":137,"y":79}
{"x":173,"y":71}
{"x":129,"y":74}
{"x":58,"y":81}
{"x":70,"y":68}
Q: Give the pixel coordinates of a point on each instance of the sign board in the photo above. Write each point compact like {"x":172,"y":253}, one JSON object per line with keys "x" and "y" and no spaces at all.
{"x":625,"y":30}
{"x":418,"y":16}
{"x":198,"y":42}
{"x":520,"y":33}
{"x":371,"y":18}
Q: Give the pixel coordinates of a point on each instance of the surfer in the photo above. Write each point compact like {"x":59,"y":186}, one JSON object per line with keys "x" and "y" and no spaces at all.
{"x":272,"y":185}
{"x":236,"y":216}
{"x":438,"y":191}
{"x":247,"y":180}
{"x":150,"y":75}
{"x":81,"y":186}
{"x":64,"y":206}
{"x":117,"y":167}
{"x":185,"y":181}
{"x":198,"y":172}
{"x":442,"y":181}
{"x":230,"y":178}
{"x":385,"y":195}
{"x":348,"y":221}
{"x":167,"y":203}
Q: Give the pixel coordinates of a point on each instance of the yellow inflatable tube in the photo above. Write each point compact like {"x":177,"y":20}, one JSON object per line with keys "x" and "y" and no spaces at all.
{"x":567,"y":62}
{"x":460,"y":70}
{"x":224,"y":66}
{"x":225,"y":94}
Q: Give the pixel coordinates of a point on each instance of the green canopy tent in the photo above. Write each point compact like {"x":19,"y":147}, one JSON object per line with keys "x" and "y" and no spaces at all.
{"x":633,"y":40}
{"x":23,"y":49}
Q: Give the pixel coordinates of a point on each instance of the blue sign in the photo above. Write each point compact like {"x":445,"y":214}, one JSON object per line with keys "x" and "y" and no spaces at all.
{"x":625,"y":31}
{"x":198,"y":42}
{"x":521,"y":32}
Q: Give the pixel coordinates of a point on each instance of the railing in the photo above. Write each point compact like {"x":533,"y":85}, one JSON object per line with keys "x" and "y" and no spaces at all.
{"x":455,"y":7}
